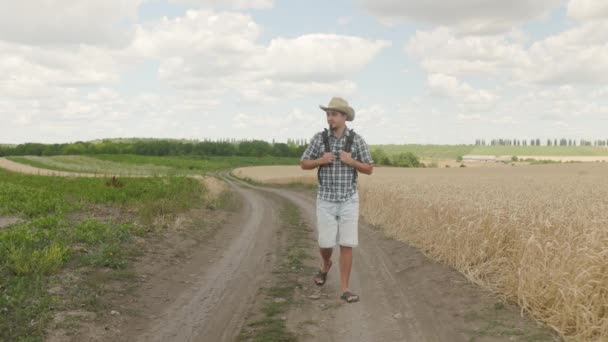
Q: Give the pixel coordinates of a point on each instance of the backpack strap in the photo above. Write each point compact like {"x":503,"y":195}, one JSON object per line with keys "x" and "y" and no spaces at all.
{"x":349,"y":141}
{"x":325,"y":135}
{"x":348,"y":148}
{"x":326,"y":148}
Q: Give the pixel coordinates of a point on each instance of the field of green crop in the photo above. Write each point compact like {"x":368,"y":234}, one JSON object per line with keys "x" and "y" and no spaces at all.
{"x":426,"y":151}
{"x":569,"y":151}
{"x":51,"y":225}
{"x":146,"y":165}
{"x":453,"y":151}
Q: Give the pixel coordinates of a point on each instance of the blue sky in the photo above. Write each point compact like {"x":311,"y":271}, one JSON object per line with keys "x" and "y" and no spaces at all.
{"x":415,"y":72}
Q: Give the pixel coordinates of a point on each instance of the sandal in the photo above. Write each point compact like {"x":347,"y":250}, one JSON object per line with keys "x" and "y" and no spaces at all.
{"x":321,"y":277}
{"x":349,"y":297}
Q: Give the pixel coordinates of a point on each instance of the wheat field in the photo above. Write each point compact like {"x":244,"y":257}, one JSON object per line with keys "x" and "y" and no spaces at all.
{"x":536,"y":234}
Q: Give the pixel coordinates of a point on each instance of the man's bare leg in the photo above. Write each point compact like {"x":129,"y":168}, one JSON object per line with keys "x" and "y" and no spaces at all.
{"x":346,"y":263}
{"x":326,"y":255}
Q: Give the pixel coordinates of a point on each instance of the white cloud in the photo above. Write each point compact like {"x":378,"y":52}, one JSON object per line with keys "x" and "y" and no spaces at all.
{"x":370,"y":117}
{"x":271,"y":91}
{"x":442,"y":51}
{"x":51,"y":22}
{"x":232,"y":4}
{"x":506,"y":120}
{"x":588,"y":9}
{"x":219,"y":51}
{"x":470,"y":117}
{"x":578,"y":55}
{"x":319,"y":56}
{"x":466,"y":16}
{"x":448,"y":86}
{"x":24,"y":70}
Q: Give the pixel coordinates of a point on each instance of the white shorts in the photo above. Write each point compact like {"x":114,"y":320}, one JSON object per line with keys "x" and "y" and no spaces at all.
{"x":338,"y":222}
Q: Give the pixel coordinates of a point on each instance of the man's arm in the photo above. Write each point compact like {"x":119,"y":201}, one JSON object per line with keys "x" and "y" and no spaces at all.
{"x":347,"y":158}
{"x":368,"y":169}
{"x":364,"y":162}
{"x":309,"y":164}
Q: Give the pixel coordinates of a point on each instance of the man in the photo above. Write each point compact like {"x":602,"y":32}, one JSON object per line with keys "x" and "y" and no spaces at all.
{"x":337,"y":197}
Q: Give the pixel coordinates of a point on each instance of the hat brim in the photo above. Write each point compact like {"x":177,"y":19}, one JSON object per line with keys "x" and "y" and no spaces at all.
{"x":349,"y":111}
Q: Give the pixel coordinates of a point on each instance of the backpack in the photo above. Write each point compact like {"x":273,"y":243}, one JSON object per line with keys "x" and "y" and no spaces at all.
{"x":347,"y":148}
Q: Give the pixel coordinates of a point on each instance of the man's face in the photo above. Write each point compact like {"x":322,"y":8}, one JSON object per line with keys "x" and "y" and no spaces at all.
{"x":335,"y":119}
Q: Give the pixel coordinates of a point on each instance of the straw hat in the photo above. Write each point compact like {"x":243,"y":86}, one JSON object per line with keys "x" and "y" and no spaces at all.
{"x":340,"y":105}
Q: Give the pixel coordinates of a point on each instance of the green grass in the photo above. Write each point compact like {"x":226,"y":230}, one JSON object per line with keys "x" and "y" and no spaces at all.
{"x":269,"y":326}
{"x":128,"y":164}
{"x":453,"y":151}
{"x":45,"y":241}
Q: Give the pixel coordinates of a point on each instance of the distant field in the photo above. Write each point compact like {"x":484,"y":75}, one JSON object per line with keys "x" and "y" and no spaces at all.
{"x":453,"y":151}
{"x":427,"y":151}
{"x":146,"y":165}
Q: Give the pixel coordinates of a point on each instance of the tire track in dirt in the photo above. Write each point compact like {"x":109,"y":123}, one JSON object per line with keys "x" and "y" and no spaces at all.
{"x":213,"y":308}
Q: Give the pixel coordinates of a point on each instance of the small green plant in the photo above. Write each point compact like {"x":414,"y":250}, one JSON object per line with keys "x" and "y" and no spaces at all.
{"x":406,"y":159}
{"x":22,"y":261}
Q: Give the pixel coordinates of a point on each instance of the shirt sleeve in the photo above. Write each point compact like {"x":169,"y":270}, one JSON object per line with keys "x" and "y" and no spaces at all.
{"x":313,"y":151}
{"x":363,"y":154}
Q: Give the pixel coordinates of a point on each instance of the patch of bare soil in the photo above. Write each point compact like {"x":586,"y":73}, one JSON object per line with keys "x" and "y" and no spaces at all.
{"x":6,"y":221}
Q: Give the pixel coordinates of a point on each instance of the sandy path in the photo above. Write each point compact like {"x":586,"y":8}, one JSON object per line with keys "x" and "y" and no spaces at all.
{"x":213,"y":308}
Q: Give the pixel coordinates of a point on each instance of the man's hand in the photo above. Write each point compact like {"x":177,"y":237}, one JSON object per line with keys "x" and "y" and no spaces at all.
{"x":347,"y":158}
{"x":327,"y":158}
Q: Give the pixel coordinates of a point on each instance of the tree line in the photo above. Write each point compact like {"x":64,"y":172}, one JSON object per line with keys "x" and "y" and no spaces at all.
{"x":171,"y":147}
{"x":160,"y":147}
{"x":538,"y":142}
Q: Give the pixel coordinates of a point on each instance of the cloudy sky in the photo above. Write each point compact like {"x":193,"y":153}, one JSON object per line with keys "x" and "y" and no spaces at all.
{"x":429,"y":71}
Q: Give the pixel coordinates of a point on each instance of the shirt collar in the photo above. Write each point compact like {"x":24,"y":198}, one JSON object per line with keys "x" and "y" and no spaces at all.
{"x":346,"y":133}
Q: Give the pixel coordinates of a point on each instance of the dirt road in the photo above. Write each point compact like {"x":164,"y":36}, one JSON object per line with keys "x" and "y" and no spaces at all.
{"x":224,"y":283}
{"x":404,"y":295}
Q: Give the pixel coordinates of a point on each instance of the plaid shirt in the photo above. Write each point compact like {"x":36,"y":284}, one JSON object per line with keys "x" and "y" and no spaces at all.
{"x":337,"y":181}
